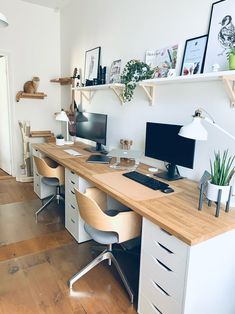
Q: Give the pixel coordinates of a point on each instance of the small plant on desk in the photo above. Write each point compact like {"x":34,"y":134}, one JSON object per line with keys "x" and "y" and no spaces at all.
{"x":59,"y":139}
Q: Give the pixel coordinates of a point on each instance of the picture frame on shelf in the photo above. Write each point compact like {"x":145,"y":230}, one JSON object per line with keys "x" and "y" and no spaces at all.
{"x":194,"y":55}
{"x":92,"y":63}
{"x":221,"y":35}
{"x":115,"y":72}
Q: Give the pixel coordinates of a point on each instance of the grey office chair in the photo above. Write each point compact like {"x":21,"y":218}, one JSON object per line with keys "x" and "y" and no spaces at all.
{"x":52,"y":175}
{"x":105,"y":227}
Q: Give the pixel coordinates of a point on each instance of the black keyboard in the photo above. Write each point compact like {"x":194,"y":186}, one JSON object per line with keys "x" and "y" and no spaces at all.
{"x":145,"y":180}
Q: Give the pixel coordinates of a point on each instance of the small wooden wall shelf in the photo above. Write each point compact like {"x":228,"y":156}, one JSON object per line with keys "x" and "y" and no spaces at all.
{"x":62,"y":80}
{"x":21,"y":94}
{"x":89,"y":91}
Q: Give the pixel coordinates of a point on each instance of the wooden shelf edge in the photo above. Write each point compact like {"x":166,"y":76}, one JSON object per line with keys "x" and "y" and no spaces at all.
{"x":38,"y":95}
{"x":62,"y":80}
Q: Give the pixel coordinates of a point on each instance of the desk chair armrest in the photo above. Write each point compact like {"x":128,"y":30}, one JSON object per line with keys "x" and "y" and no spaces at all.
{"x":98,"y":196}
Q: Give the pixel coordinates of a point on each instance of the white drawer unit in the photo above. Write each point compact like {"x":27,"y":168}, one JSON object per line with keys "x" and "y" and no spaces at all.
{"x":162,"y":271}
{"x":42,"y":190}
{"x":73,"y":221}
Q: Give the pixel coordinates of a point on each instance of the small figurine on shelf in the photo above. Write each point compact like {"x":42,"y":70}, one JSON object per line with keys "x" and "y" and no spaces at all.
{"x":31,"y":87}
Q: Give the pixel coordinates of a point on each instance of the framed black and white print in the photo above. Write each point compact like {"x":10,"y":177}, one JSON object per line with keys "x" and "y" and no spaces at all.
{"x":92,"y":63}
{"x":221,"y":35}
{"x":194,"y":54}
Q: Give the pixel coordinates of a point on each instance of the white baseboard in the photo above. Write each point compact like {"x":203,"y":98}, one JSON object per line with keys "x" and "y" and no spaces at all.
{"x":24,"y":179}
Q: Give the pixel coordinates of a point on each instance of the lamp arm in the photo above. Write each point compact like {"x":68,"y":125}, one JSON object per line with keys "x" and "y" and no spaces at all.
{"x":219,"y":127}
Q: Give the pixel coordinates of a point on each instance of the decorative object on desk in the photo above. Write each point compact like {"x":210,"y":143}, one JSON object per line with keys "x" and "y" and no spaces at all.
{"x":3,"y":20}
{"x":26,"y":165}
{"x":162,"y":60}
{"x":134,"y":72}
{"x":59,"y":140}
{"x":115,"y":72}
{"x":62,"y":116}
{"x":31,"y":87}
{"x":92,"y":63}
{"x":194,"y":55}
{"x":231,"y":56}
{"x":221,"y":34}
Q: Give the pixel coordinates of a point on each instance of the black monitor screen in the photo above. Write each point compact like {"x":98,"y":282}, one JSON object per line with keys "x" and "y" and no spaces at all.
{"x":91,"y":126}
{"x":164,"y":143}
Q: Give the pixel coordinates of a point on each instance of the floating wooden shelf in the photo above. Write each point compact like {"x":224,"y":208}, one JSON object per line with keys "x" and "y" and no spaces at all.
{"x":41,"y":134}
{"x":227,"y":77}
{"x":89,"y":91}
{"x":21,"y":94}
{"x":62,"y":80}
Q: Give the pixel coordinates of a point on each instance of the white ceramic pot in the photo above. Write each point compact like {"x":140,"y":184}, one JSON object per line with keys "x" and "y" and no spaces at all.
{"x":213,"y":191}
{"x":59,"y":141}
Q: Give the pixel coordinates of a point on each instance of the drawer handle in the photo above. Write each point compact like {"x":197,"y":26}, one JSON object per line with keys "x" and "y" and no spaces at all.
{"x":155,"y":308}
{"x":37,"y":174}
{"x":163,"y":265}
{"x":165,"y":248}
{"x":72,"y":192}
{"x":72,"y":206}
{"x":72,"y":221}
{"x":166,"y":232}
{"x":72,"y":172}
{"x":161,"y":289}
{"x":72,"y":182}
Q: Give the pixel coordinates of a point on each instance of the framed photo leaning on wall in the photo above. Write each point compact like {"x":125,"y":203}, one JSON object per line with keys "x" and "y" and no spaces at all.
{"x":92,"y":63}
{"x":221,"y":35}
{"x":115,"y":72}
{"x":194,"y":55}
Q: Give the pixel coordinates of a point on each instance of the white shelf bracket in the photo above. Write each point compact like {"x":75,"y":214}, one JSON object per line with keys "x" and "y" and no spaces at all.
{"x":229,"y":84}
{"x":118,"y":92}
{"x":88,"y":95}
{"x":150,"y":92}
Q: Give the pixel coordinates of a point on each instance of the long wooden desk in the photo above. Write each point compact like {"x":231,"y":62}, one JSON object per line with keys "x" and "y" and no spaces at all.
{"x":187,"y":256}
{"x":176,"y":213}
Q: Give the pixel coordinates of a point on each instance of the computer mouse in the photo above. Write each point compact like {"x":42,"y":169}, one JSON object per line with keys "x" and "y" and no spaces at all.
{"x":167,"y":190}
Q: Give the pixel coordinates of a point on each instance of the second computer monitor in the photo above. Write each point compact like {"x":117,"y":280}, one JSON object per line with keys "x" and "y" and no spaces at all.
{"x":163,"y":143}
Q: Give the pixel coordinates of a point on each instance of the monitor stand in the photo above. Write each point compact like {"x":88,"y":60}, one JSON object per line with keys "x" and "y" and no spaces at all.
{"x":171,"y":174}
{"x":98,"y":149}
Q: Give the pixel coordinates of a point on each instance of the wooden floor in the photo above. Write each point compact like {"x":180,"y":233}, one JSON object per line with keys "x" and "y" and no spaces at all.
{"x":36,"y":260}
{"x":4,"y":175}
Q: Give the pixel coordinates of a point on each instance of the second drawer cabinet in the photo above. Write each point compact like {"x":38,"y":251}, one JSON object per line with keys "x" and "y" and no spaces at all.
{"x":162,"y":271}
{"x":73,"y":221}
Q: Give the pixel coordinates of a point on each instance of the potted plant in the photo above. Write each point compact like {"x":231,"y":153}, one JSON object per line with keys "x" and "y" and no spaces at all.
{"x":222,"y":171}
{"x":134,"y":72}
{"x":60,"y":139}
{"x":231,"y":58}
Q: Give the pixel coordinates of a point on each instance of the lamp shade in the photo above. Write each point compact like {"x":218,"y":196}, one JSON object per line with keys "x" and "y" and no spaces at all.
{"x":62,"y":116}
{"x":3,"y":20}
{"x":194,"y":130}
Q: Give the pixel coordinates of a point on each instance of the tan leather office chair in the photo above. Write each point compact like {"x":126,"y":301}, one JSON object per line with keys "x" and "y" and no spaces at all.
{"x":105,"y":227}
{"x":52,"y":175}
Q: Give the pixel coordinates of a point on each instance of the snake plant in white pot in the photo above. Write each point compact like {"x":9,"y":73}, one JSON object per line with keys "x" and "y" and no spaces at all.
{"x":222,"y":171}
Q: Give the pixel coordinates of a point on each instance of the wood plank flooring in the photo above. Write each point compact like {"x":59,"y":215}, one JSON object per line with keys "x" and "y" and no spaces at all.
{"x":4,"y":175}
{"x":36,"y":260}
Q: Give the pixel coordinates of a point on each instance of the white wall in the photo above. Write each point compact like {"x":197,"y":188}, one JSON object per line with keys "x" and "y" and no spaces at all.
{"x":126,"y":29}
{"x":32,"y":42}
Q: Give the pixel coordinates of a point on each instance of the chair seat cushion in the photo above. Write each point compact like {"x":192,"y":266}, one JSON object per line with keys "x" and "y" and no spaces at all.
{"x":50,"y":181}
{"x":102,"y":237}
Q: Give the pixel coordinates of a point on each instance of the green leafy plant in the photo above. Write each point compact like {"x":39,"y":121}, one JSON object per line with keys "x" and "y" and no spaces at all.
{"x":60,"y":136}
{"x":134,"y":72}
{"x":231,"y":51}
{"x":222,"y":168}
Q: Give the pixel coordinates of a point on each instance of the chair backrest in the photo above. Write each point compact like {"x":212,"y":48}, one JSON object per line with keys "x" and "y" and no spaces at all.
{"x":45,"y":170}
{"x":126,"y":224}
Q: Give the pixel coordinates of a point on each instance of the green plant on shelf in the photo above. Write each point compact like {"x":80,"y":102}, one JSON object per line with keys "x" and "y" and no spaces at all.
{"x":134,"y":72}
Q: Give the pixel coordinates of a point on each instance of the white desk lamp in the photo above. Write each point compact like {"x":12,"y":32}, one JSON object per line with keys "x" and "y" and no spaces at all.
{"x":62,"y":116}
{"x":195,"y":130}
{"x":3,"y":20}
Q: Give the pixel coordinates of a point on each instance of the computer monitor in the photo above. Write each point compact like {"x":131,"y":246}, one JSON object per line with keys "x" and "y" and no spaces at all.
{"x":163,"y":143}
{"x":92,"y":126}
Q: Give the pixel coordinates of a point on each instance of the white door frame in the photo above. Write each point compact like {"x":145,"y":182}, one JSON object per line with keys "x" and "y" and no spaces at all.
{"x":11,"y":109}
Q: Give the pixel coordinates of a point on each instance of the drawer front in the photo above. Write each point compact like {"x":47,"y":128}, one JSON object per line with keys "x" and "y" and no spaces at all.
{"x":169,"y":280}
{"x":159,"y":298}
{"x":71,"y":178}
{"x":70,"y":197}
{"x":152,"y":234}
{"x":146,"y":307}
{"x":71,"y":219}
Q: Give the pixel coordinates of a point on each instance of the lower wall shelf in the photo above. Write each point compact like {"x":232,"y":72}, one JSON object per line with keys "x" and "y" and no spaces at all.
{"x":22,"y":94}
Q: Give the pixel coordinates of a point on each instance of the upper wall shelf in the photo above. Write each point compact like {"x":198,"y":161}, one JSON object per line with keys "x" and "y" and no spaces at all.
{"x":21,"y":94}
{"x":227,"y":77}
{"x":89,"y":91}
